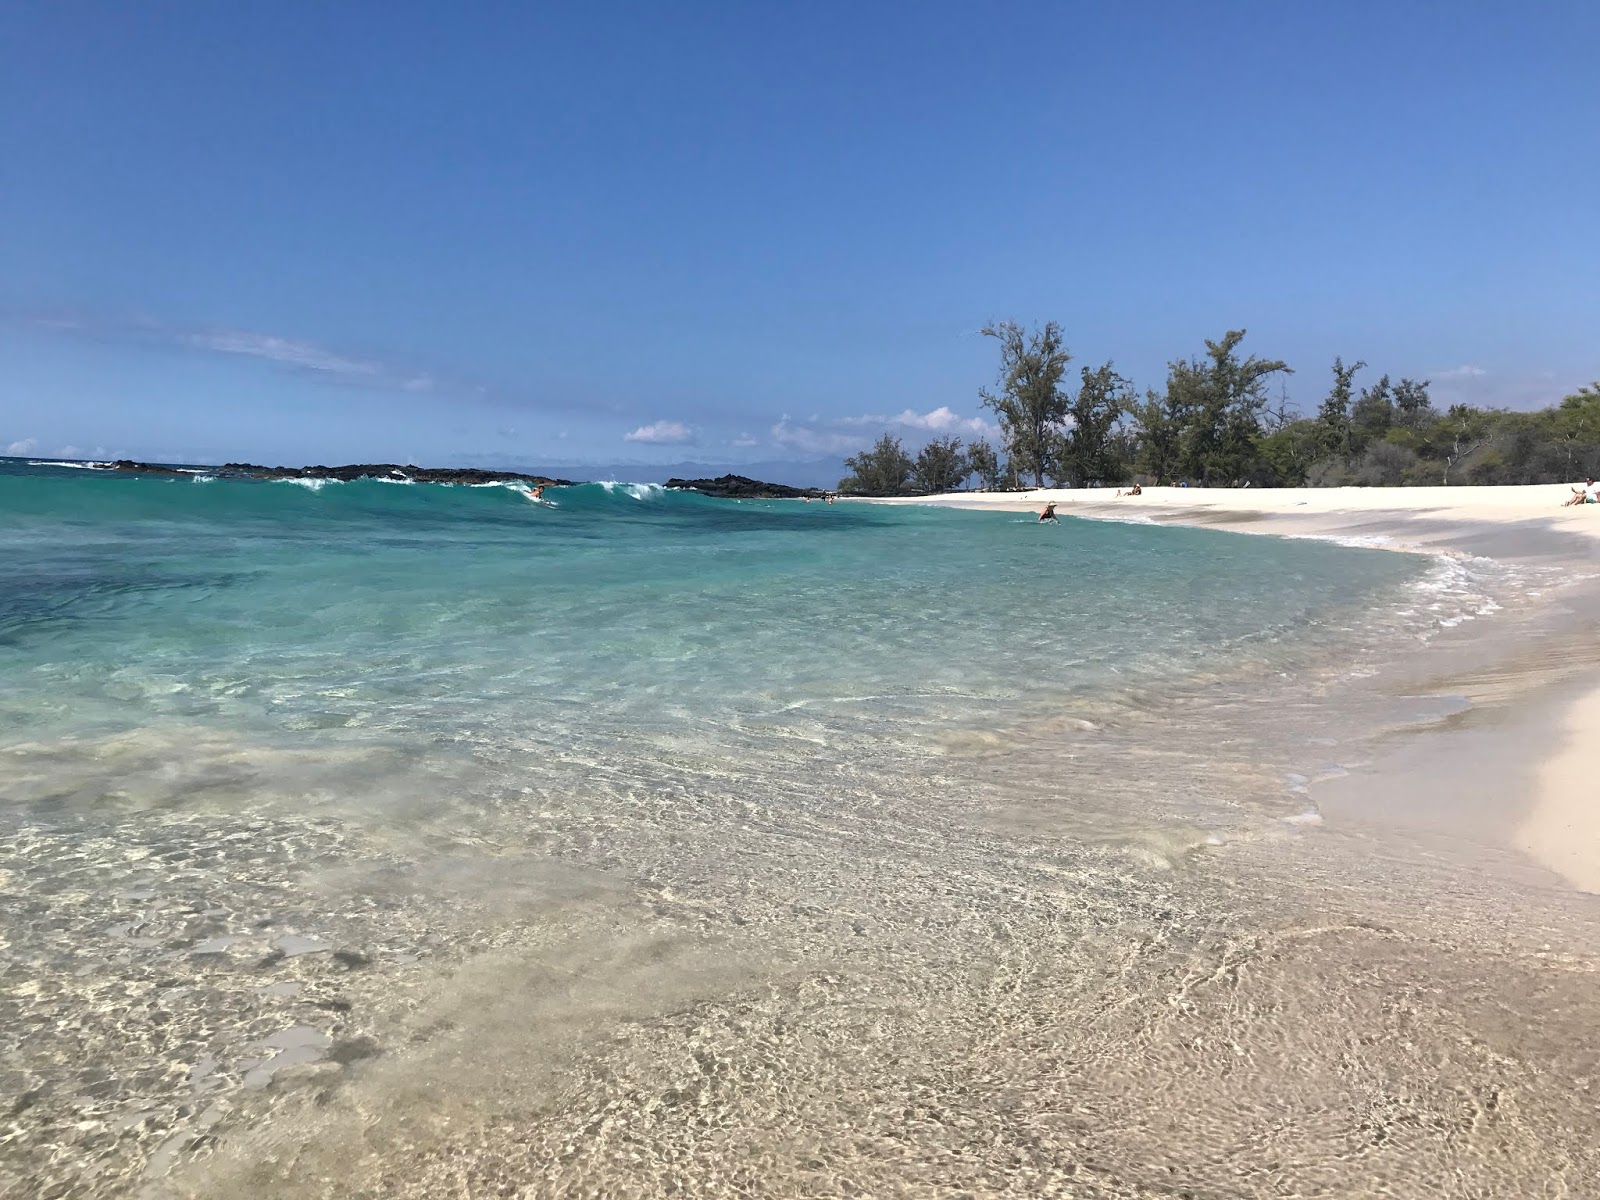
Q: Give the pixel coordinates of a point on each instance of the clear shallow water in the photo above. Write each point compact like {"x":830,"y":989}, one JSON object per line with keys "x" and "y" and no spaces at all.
{"x":394,"y":651}
{"x":281,"y":760}
{"x":363,"y":613}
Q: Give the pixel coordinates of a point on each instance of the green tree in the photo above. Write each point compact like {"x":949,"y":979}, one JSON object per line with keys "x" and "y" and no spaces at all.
{"x":1088,"y":449}
{"x":1158,"y":436}
{"x":1578,"y":417}
{"x":941,"y":466}
{"x":985,"y":464}
{"x":881,"y":471}
{"x":1030,"y":403}
{"x":1219,"y":401}
{"x":1412,"y":408}
{"x":1335,"y":411}
{"x":1371,"y":416}
{"x":1292,"y":449}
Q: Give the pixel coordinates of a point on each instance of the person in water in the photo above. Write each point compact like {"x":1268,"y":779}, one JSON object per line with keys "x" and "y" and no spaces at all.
{"x":537,"y":493}
{"x":1049,"y":513}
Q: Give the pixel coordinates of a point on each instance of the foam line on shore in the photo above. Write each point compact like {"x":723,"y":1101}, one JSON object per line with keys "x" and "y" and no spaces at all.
{"x":1560,"y":824}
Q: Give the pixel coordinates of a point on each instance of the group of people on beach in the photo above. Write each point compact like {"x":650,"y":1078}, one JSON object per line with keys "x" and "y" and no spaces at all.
{"x":1589,"y":493}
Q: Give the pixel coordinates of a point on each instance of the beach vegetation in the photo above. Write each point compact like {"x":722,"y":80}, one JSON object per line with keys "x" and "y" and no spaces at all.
{"x":1384,"y":464}
{"x":983,"y":462}
{"x":884,"y":470}
{"x":1215,"y":424}
{"x":1335,"y":411}
{"x":1220,"y":401}
{"x":941,"y":466}
{"x":1029,"y":401}
{"x":1088,"y":449}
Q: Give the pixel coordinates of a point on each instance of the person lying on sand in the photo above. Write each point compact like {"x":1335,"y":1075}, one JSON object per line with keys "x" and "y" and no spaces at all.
{"x":1589,"y":493}
{"x":1135,"y":490}
{"x":1049,"y":513}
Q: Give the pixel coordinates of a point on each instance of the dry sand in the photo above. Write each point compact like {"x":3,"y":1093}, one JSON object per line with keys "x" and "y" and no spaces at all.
{"x":1559,"y":822}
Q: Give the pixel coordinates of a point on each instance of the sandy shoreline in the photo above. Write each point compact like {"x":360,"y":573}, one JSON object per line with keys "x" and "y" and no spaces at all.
{"x":1557,"y":822}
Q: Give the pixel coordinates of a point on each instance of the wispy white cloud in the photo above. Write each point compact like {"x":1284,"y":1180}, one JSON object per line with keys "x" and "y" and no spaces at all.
{"x":1464,"y":371}
{"x":744,"y":441}
{"x":284,"y":351}
{"x":661,"y":433}
{"x":805,"y":440}
{"x":845,"y":435}
{"x":939,"y":420}
{"x":291,"y":354}
{"x":20,"y":448}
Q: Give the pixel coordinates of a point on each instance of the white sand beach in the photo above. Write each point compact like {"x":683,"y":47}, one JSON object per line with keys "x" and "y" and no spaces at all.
{"x":1557,"y":821}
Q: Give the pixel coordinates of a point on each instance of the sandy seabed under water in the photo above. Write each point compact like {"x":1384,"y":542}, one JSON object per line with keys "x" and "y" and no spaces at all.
{"x":1117,"y":954}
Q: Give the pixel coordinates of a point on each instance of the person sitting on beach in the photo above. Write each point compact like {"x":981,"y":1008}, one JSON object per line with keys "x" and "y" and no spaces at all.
{"x":1135,"y":490}
{"x":1049,"y":513}
{"x":1589,"y":493}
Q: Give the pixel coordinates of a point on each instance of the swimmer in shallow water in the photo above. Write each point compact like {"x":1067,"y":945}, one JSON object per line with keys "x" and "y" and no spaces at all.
{"x":1049,"y":513}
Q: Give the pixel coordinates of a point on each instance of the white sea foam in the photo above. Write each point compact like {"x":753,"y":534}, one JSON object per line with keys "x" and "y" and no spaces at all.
{"x":315,"y":485}
{"x":76,"y":466}
{"x":639,"y":491}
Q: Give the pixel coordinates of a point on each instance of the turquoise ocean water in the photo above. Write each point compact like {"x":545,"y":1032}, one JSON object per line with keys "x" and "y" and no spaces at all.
{"x":247,"y":723}
{"x":435,"y":620}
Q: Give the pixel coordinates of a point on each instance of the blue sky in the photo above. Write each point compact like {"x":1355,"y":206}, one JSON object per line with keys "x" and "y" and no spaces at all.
{"x":740,"y":232}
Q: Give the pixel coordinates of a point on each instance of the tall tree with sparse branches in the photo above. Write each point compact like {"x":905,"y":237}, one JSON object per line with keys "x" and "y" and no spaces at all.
{"x":1087,"y":451}
{"x":1030,"y":402}
{"x":1335,"y":411}
{"x":983,"y":462}
{"x":1218,"y":402}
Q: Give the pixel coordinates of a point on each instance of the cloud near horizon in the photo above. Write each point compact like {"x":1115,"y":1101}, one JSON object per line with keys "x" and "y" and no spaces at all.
{"x":661,"y":433}
{"x":804,"y":440}
{"x":25,"y":446}
{"x":846,"y":435}
{"x":943,"y":419}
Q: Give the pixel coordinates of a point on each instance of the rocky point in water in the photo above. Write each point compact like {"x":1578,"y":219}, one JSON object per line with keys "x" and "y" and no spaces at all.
{"x":740,"y":487}
{"x":410,"y":473}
